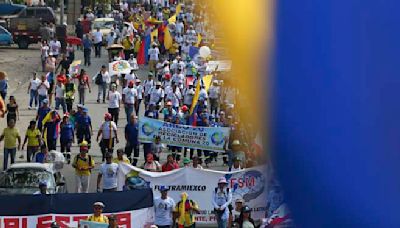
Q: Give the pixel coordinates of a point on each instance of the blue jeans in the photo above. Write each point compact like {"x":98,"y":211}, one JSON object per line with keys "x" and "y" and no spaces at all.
{"x":222,"y":223}
{"x":128,"y":111}
{"x":33,"y":97}
{"x":61,"y":101}
{"x":102,"y":90}
{"x":10,"y":152}
{"x":41,"y":98}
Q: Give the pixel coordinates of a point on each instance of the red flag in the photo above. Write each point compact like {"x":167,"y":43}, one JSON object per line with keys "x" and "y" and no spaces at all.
{"x":141,"y":58}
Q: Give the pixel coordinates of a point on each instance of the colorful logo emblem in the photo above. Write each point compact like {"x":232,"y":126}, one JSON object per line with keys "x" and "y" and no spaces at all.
{"x":147,"y":129}
{"x":217,"y":138}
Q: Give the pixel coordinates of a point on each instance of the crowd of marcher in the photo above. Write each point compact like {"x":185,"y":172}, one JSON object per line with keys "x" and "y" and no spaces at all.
{"x":167,"y":94}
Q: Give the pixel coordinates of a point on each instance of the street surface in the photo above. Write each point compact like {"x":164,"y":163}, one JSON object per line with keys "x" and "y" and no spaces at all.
{"x":19,"y":64}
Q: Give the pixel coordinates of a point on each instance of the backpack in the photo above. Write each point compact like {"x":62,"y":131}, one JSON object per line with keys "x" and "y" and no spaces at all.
{"x":76,"y":160}
{"x":98,"y":79}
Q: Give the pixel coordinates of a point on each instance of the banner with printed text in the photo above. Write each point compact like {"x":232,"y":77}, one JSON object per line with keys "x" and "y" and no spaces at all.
{"x":68,"y":210}
{"x":204,"y":138}
{"x":247,"y":184}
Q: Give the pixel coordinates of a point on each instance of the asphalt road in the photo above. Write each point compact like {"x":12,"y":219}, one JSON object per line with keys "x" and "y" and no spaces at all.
{"x":96,"y":111}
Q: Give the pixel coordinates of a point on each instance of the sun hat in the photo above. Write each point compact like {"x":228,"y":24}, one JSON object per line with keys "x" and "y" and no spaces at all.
{"x":99,"y":204}
{"x":222,"y":180}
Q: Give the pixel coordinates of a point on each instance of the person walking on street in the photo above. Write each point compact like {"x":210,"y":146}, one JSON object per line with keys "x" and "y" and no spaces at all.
{"x":43,"y":156}
{"x":184,"y":212}
{"x":50,"y":129}
{"x":114,"y":103}
{"x":98,"y":41}
{"x":129,"y":98}
{"x":102,"y":80}
{"x":11,"y":136}
{"x":131,"y":137}
{"x":43,"y":89}
{"x":66,"y":137}
{"x":221,"y":200}
{"x":12,"y":110}
{"x":87,"y":49}
{"x":83,"y":84}
{"x":69,"y":93}
{"x":33,"y":91}
{"x":108,"y":175}
{"x":33,"y":137}
{"x":108,"y":133}
{"x":60,"y":96}
{"x":83,"y":164}
{"x":42,"y":112}
{"x":83,"y":126}
{"x":163,"y":208}
{"x":121,"y":158}
{"x":3,"y":84}
{"x":140,"y":95}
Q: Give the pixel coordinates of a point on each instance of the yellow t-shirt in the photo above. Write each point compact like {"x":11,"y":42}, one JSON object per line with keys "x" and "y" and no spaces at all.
{"x":100,"y":219}
{"x":124,"y":160}
{"x":137,"y":45}
{"x":189,"y":216}
{"x":127,"y":44}
{"x":10,"y":137}
{"x":83,"y":163}
{"x":33,"y":137}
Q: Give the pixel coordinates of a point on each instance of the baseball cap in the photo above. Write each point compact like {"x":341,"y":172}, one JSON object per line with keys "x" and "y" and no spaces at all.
{"x":99,"y":204}
{"x":186,"y":161}
{"x":246,"y":209}
{"x":163,"y":188}
{"x":222,"y":180}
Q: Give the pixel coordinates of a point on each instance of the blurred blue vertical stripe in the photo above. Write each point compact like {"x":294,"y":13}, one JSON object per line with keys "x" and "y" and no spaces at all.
{"x":336,"y":111}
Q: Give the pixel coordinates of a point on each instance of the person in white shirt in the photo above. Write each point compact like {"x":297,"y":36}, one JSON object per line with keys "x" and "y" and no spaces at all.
{"x":236,"y":165}
{"x":55,"y":47}
{"x":105,"y":81}
{"x":140,"y":94}
{"x":42,"y":90}
{"x":163,"y":207}
{"x":221,"y":199}
{"x":108,"y":132}
{"x":188,"y":94}
{"x":133,"y":62}
{"x":129,"y":97}
{"x":110,"y":38}
{"x":214,"y":95}
{"x":174,"y":95}
{"x":60,"y":96}
{"x":195,"y":163}
{"x":108,"y":175}
{"x":114,"y":102}
{"x":33,"y":91}
{"x":44,"y":54}
{"x":179,"y":27}
{"x":148,"y":84}
{"x":178,"y":79}
{"x":131,"y":77}
{"x":98,"y":41}
{"x":185,"y":49}
{"x":156,"y":95}
{"x":167,"y":83}
{"x":42,"y":189}
{"x":153,"y":53}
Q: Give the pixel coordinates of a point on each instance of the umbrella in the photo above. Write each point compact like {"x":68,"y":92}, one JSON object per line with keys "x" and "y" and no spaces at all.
{"x":74,"y":40}
{"x":115,"y":47}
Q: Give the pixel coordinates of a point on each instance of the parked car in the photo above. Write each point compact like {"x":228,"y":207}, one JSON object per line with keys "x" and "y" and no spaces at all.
{"x":24,"y":178}
{"x":5,"y":37}
{"x":44,"y":14}
{"x":8,"y":9}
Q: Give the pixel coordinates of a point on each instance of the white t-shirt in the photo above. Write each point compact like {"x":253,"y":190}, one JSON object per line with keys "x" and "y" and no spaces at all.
{"x":156,"y":95}
{"x":139,"y":91}
{"x":188,"y":97}
{"x":45,"y":51}
{"x":35,"y":83}
{"x":163,"y":211}
{"x":109,"y":172}
{"x":154,"y":52}
{"x":60,"y":91}
{"x":113,"y":99}
{"x":247,"y":224}
{"x":130,"y":95}
{"x":213,"y":92}
{"x":55,"y":47}
{"x":174,"y":97}
{"x":179,"y":27}
{"x":97,"y":37}
{"x":178,"y":79}
{"x":147,"y":86}
{"x":105,"y":127}
{"x":130,"y":77}
{"x":42,"y":88}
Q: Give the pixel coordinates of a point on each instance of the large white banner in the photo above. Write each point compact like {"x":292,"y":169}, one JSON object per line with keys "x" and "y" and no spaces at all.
{"x":142,"y":218}
{"x":204,"y":138}
{"x":248,"y":184}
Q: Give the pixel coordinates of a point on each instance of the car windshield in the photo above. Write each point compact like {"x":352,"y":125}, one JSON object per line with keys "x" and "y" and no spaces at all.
{"x":103,"y":24}
{"x":26,"y":178}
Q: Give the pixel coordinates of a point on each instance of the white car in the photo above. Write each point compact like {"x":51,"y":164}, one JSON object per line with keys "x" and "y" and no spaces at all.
{"x":24,"y":178}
